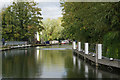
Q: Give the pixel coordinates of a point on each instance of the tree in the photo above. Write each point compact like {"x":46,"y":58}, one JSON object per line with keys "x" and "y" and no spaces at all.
{"x":21,"y":21}
{"x":52,"y":29}
{"x":93,"y":23}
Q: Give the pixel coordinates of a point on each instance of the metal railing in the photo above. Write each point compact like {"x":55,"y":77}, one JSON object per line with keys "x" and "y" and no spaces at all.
{"x":15,"y":43}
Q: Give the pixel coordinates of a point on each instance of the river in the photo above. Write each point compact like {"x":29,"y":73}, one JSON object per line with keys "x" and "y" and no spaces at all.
{"x":55,"y":61}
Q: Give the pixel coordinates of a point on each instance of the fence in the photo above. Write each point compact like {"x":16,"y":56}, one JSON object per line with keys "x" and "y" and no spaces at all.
{"x":15,"y":43}
{"x":93,"y":48}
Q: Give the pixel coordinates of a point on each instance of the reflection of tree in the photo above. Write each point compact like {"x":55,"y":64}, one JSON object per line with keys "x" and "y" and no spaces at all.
{"x":85,"y":70}
{"x":25,"y":64}
{"x":20,"y":65}
{"x":73,"y":70}
{"x":53,"y":57}
{"x":28,"y":64}
{"x":77,"y":70}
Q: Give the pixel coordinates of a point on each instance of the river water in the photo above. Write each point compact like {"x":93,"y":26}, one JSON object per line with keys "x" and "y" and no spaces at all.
{"x":48,"y":62}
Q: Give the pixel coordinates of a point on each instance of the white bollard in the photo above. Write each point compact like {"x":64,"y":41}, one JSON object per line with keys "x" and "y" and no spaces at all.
{"x":99,"y":51}
{"x":74,"y":45}
{"x":86,"y":48}
{"x":79,"y":46}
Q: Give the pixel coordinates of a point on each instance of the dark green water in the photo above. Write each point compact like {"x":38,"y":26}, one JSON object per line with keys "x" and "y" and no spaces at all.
{"x":48,"y":62}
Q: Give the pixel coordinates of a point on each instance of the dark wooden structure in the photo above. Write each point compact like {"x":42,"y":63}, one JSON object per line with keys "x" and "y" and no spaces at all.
{"x":103,"y":61}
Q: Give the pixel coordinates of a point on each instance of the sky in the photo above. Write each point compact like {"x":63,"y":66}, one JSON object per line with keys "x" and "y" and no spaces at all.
{"x":49,"y":9}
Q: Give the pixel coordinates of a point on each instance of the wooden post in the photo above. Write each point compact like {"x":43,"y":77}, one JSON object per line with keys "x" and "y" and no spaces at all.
{"x":86,"y":48}
{"x":99,"y":51}
{"x":96,"y":58}
{"x":96,"y":71}
{"x":79,"y":46}
{"x":74,"y":45}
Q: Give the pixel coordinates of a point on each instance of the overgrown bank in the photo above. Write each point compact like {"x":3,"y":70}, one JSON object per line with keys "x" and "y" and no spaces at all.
{"x":93,"y":23}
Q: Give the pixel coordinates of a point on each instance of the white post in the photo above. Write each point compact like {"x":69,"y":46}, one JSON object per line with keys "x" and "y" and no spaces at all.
{"x":79,"y":46}
{"x":38,"y":39}
{"x":99,"y":51}
{"x":86,"y":48}
{"x":74,"y":45}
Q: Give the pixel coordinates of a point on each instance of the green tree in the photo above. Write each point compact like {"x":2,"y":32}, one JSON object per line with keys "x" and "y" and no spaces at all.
{"x":21,"y":21}
{"x":52,"y":29}
{"x":93,"y":23}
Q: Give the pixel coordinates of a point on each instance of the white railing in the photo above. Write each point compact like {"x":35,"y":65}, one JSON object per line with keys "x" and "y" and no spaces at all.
{"x":16,"y":43}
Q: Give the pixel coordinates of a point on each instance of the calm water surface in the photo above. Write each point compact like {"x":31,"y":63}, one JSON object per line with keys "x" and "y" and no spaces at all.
{"x":48,"y":62}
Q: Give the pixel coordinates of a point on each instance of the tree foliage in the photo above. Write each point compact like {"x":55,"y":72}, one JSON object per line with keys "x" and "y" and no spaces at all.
{"x":20,"y":21}
{"x":93,"y":23}
{"x":52,"y":29}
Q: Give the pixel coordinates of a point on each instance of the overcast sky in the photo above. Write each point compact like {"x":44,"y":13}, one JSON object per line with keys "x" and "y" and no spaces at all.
{"x":49,"y":9}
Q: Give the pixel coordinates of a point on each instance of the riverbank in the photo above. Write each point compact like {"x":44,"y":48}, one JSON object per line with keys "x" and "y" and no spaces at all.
{"x":14,"y":47}
{"x":22,"y":46}
{"x":103,"y":61}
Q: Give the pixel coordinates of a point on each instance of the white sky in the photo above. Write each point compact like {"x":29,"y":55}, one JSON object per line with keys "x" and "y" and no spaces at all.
{"x":49,"y":9}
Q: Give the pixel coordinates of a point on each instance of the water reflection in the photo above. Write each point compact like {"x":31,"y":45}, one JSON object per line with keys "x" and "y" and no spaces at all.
{"x":38,"y":63}
{"x":26,"y":52}
{"x":18,"y":64}
{"x":99,"y":75}
{"x":0,"y":65}
{"x":79,"y":64}
{"x":74,"y":60}
{"x":41,"y":54}
{"x":38,"y":52}
{"x":86,"y":71}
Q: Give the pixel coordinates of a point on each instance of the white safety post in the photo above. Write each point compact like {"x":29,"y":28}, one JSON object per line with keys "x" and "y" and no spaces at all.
{"x":79,"y":46}
{"x":86,"y":48}
{"x":74,"y":45}
{"x":99,"y":51}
